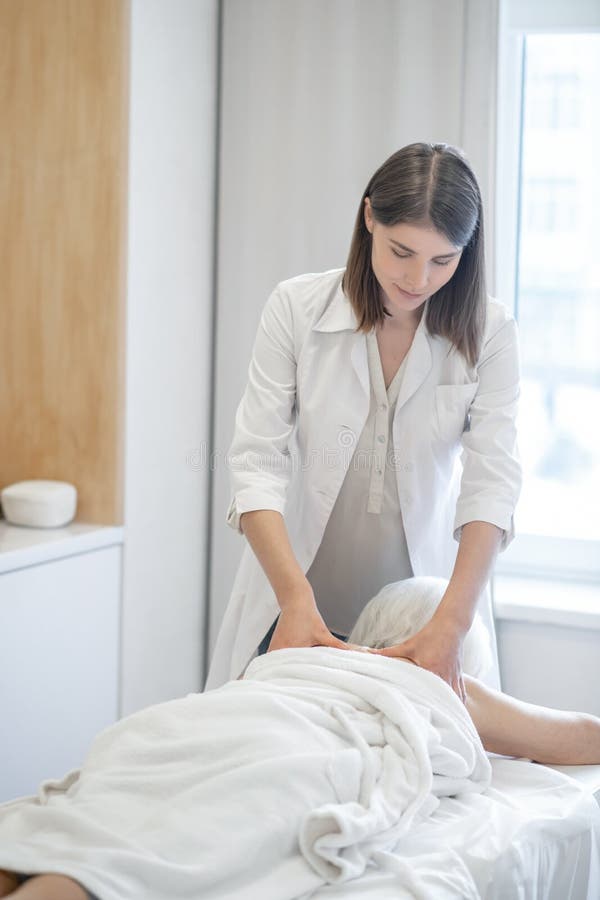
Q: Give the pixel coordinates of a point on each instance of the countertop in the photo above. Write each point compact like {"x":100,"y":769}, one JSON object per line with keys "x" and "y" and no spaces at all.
{"x":21,"y":547}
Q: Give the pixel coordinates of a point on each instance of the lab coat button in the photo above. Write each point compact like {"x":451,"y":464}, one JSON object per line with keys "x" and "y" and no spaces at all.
{"x":381,"y":438}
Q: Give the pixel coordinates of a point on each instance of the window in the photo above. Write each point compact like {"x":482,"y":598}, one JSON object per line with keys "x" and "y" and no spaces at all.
{"x":549,"y":204}
{"x":550,"y":224}
{"x":554,"y":96}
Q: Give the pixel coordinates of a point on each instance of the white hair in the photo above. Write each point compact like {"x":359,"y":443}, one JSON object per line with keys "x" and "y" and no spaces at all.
{"x":402,"y":608}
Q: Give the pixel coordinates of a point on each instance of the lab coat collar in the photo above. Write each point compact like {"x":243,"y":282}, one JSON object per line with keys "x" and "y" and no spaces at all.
{"x":339,"y":316}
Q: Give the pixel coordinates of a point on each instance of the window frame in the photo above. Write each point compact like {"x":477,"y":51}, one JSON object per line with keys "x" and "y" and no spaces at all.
{"x":530,"y":555}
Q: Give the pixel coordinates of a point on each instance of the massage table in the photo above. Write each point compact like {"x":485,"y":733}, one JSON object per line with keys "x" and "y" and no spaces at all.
{"x":320,"y":775}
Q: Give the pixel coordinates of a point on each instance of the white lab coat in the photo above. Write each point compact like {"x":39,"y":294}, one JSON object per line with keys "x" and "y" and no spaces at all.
{"x":303,"y":410}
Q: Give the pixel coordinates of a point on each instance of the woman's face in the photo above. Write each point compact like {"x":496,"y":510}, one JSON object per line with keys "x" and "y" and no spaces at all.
{"x":411,"y":262}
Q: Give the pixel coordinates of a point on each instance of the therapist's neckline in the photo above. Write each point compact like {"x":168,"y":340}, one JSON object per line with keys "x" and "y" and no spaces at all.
{"x":404,"y":323}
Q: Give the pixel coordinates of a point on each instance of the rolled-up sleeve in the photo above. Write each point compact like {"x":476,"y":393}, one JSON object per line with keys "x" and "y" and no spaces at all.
{"x":259,"y":459}
{"x":491,"y":478}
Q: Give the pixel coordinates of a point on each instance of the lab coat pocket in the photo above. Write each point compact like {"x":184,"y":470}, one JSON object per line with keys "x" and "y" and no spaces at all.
{"x":452,"y":402}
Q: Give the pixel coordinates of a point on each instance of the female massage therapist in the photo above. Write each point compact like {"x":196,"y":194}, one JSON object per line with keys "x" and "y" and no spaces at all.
{"x":376,"y":436}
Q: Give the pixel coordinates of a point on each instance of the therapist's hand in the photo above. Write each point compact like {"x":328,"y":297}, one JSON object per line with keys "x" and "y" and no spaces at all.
{"x":301,"y":625}
{"x":437,"y":647}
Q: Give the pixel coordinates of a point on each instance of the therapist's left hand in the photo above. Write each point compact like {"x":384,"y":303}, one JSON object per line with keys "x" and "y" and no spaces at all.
{"x":437,"y":647}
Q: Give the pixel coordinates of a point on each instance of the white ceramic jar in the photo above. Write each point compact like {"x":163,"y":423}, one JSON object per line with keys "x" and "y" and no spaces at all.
{"x":39,"y":503}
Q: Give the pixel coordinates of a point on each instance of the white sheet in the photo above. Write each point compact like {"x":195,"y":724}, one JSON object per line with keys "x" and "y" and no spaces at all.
{"x":587,"y":776}
{"x":534,"y":834}
{"x":319,"y":766}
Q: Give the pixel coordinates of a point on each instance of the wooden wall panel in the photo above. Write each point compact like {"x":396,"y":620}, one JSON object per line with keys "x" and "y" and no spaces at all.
{"x":63,"y":182}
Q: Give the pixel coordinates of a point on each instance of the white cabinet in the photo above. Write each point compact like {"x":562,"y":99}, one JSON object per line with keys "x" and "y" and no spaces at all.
{"x":59,"y":653}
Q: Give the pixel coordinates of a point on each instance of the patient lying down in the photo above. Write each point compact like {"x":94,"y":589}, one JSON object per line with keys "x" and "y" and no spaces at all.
{"x":281,"y":782}
{"x":505,"y":725}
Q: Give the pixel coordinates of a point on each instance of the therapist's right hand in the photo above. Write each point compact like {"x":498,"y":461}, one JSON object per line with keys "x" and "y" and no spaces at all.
{"x":301,"y":625}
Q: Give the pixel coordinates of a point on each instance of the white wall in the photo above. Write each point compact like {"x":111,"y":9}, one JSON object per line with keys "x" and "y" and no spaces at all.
{"x":550,"y":664}
{"x":171,"y":184}
{"x":548,"y":640}
{"x":315,"y":96}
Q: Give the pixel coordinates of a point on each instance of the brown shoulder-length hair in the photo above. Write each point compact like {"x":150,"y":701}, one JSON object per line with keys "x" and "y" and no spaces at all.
{"x":434,"y":185}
